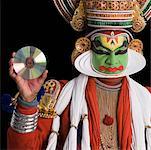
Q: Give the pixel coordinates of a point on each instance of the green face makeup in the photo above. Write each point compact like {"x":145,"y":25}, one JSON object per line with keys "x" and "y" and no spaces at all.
{"x":110,"y":55}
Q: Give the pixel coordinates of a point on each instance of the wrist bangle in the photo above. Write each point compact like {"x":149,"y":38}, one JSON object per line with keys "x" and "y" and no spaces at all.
{"x":24,"y":123}
{"x":27,"y":104}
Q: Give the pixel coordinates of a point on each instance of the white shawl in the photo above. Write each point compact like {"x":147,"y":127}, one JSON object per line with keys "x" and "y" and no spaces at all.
{"x":140,"y":100}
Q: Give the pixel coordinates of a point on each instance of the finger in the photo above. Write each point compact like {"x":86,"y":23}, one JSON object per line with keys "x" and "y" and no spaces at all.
{"x":43,"y":77}
{"x":11,"y":61}
{"x":12,"y":72}
{"x":18,"y":79}
{"x":13,"y":54}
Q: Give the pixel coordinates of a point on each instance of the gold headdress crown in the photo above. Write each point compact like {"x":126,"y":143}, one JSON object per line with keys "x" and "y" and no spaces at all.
{"x":105,"y":13}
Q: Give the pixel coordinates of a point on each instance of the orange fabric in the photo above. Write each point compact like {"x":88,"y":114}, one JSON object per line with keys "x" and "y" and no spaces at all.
{"x":123,"y":116}
{"x":93,"y":114}
{"x":23,"y":110}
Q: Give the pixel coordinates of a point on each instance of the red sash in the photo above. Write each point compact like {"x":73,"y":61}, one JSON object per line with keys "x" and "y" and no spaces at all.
{"x":123,"y":116}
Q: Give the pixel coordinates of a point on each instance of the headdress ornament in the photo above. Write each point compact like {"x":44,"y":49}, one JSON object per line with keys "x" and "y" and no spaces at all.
{"x":105,"y":13}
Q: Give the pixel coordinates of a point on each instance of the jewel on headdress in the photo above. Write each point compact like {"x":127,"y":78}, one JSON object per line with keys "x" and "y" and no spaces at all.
{"x":112,"y":34}
{"x":136,"y":45}
{"x":138,"y":21}
{"x":138,"y":24}
{"x":79,"y":18}
{"x":82,"y":45}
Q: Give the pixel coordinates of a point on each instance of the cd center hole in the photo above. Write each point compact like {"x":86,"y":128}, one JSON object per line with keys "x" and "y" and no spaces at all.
{"x":29,"y":62}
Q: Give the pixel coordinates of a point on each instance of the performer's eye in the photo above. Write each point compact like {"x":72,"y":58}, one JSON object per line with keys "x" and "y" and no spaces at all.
{"x":96,"y":43}
{"x":122,"y":49}
{"x":120,"y":52}
{"x":125,"y":44}
{"x":98,"y":48}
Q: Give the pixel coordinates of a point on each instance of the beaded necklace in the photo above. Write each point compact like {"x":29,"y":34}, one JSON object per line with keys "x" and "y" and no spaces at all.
{"x":107,"y":99}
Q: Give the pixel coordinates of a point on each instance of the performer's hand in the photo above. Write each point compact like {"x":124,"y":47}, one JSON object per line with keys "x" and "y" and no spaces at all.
{"x":28,"y":89}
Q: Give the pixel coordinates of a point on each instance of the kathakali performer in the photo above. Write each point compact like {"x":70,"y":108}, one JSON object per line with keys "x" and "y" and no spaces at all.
{"x":101,"y":109}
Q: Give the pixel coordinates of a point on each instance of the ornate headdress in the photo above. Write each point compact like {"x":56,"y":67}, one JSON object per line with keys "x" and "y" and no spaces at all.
{"x":105,"y":13}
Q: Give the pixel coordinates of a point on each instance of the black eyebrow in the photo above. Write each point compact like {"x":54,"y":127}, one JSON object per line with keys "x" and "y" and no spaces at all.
{"x":121,"y":52}
{"x":101,"y":52}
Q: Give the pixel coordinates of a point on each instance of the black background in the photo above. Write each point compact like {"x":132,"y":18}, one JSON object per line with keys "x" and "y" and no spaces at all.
{"x":38,"y":23}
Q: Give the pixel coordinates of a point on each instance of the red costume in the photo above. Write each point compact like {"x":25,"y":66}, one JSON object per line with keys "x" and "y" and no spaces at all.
{"x":39,"y":138}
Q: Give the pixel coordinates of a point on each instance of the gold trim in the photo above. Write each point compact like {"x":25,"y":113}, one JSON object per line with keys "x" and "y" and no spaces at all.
{"x":49,"y":99}
{"x":136,"y":45}
{"x":79,"y":18}
{"x":117,"y":15}
{"x":109,"y":5}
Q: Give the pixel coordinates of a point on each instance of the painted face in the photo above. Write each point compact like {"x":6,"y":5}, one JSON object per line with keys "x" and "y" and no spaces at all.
{"x":110,"y":52}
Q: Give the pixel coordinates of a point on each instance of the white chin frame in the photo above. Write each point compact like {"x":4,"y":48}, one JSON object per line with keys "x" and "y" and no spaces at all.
{"x":136,"y":62}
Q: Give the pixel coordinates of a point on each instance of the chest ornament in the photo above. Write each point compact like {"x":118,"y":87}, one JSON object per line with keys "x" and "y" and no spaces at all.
{"x":48,"y":100}
{"x":108,"y":120}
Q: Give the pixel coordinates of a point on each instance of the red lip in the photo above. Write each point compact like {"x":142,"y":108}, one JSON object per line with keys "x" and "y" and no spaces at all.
{"x":103,"y":68}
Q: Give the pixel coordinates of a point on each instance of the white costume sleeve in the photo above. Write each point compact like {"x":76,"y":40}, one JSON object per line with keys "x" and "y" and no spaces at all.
{"x":141,"y":115}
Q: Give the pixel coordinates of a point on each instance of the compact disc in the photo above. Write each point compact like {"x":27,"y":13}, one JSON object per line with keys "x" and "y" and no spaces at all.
{"x":29,"y":62}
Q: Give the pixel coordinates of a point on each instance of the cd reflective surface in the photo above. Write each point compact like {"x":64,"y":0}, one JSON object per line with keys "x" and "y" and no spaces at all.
{"x":29,"y":62}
